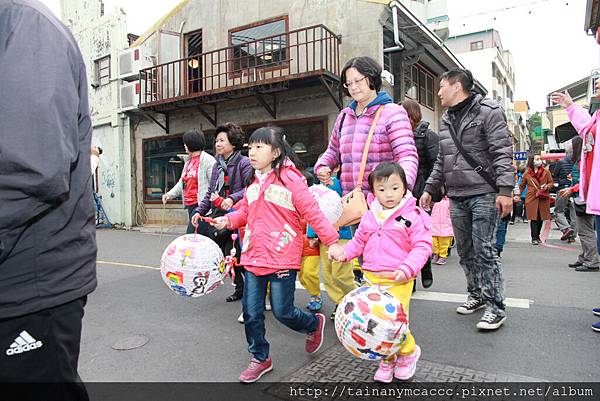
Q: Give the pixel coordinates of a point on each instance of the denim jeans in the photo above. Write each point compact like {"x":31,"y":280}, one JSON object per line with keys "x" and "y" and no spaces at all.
{"x":190,"y":228}
{"x":283,"y":285}
{"x":474,"y":220}
{"x":501,"y":233}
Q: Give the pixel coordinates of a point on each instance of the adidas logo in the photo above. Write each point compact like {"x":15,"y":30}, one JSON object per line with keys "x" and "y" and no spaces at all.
{"x":23,"y":343}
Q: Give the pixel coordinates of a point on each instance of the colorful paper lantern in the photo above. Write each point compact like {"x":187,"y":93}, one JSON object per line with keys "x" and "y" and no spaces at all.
{"x":192,"y":265}
{"x":371,"y":323}
{"x":329,"y":202}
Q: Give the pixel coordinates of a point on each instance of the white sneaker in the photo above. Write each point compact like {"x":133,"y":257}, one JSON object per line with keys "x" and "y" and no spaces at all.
{"x":267,"y":304}
{"x":241,"y":318}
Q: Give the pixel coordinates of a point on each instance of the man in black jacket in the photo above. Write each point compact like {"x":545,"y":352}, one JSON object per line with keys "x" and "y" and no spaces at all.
{"x":47,"y":231}
{"x":561,"y":173}
{"x":480,"y":179}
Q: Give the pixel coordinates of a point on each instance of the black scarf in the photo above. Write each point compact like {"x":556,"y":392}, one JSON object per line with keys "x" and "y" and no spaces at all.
{"x":458,"y":111}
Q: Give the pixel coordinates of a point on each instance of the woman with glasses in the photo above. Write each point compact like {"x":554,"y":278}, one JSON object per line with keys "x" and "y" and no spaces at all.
{"x":392,"y":140}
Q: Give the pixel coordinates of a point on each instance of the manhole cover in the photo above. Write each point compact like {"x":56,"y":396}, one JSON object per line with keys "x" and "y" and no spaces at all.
{"x":130,"y":343}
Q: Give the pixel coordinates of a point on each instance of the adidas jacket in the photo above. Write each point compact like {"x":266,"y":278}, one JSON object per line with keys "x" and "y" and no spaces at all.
{"x":47,"y":230}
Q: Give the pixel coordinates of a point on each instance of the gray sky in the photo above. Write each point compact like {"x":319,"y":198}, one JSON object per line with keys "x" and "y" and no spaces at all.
{"x":546,"y":37}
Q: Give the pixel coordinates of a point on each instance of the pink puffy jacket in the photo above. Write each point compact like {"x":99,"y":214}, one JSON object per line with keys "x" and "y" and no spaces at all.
{"x":393,"y":140}
{"x":441,"y":223}
{"x":584,"y":124}
{"x":393,"y":245}
{"x":272,"y":214}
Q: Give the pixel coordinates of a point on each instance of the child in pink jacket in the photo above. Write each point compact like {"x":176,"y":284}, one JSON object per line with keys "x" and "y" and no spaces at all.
{"x":441,"y":231}
{"x":274,"y":204}
{"x":394,"y":238}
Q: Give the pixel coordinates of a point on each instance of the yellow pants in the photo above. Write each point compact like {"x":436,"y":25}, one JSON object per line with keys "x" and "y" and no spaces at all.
{"x":402,"y":292}
{"x":338,"y":277}
{"x":441,"y":245}
{"x":309,"y":275}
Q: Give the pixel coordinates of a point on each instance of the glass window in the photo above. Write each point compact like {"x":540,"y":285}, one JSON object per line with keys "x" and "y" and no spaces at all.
{"x":162,"y":166}
{"x":429,"y":91}
{"x":103,"y":70}
{"x":250,"y":51}
{"x":410,"y":82}
{"x":477,"y":45}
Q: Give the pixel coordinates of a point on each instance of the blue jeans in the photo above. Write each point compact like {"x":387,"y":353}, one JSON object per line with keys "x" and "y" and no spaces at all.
{"x":283,"y":285}
{"x":501,"y":234}
{"x":474,"y":220}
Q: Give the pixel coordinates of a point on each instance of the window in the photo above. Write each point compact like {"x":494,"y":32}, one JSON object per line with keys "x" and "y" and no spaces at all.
{"x":102,"y":67}
{"x":418,"y":85}
{"x":477,"y":45}
{"x":249,"y":51}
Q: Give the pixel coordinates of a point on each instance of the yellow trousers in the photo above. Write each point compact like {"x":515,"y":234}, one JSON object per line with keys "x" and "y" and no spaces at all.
{"x":402,"y":292}
{"x":441,"y":245}
{"x":338,"y":277}
{"x":309,"y":275}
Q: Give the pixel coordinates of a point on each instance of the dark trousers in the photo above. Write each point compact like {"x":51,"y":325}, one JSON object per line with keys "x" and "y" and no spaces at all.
{"x":536,"y":227}
{"x":43,"y":347}
{"x":517,"y":210}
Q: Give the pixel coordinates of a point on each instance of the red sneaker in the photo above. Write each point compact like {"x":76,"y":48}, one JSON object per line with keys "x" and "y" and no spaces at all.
{"x":314,"y":340}
{"x":255,"y":370}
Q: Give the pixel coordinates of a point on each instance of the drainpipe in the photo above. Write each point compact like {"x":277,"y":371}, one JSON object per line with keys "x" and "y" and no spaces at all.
{"x":399,"y":45}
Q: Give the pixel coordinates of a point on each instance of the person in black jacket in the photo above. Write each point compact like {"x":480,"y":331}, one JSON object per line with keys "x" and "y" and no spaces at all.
{"x":47,"y":230}
{"x":475,"y":163}
{"x":561,"y":175}
{"x":427,"y":143}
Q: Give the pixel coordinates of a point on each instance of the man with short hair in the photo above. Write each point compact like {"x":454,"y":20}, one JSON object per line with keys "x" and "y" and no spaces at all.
{"x":47,"y":231}
{"x":561,"y":175}
{"x":475,"y":163}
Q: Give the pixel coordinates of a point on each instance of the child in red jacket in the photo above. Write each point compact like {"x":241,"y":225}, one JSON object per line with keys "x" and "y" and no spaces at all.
{"x":273,"y":206}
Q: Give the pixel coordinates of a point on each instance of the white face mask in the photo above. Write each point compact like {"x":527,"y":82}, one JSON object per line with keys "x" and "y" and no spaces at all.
{"x":537,"y":163}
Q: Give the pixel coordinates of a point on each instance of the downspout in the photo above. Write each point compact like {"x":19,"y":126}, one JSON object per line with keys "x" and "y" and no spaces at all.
{"x":399,"y":45}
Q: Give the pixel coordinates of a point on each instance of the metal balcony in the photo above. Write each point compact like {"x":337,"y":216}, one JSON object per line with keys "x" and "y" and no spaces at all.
{"x":257,"y":67}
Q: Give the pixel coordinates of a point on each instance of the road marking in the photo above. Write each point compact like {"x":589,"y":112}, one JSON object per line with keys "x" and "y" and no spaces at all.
{"x":105,"y":262}
{"x":421,"y":295}
{"x":461,"y":298}
{"x":450,"y":297}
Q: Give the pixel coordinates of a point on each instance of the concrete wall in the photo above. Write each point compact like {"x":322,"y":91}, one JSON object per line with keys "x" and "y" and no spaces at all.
{"x":99,"y":36}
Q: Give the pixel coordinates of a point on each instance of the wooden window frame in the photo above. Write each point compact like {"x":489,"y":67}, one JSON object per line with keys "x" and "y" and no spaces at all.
{"x":428,"y":74}
{"x":98,"y":70}
{"x":230,"y":67}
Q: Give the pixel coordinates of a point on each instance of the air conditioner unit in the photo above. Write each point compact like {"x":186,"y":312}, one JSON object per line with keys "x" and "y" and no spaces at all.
{"x":131,"y":61}
{"x":130,"y":95}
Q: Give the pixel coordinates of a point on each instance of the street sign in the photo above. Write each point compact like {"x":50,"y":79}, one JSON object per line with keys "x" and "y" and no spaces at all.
{"x":520,"y":155}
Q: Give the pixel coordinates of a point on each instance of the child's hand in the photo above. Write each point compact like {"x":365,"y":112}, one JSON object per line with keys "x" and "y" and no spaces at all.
{"x":220,"y":222}
{"x":313,"y":242}
{"x":227,"y":204}
{"x":400,"y":277}
{"x":337,"y":253}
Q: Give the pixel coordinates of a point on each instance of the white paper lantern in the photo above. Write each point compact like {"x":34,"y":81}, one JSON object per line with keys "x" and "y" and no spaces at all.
{"x":192,"y":265}
{"x":371,"y":323}
{"x":329,"y":202}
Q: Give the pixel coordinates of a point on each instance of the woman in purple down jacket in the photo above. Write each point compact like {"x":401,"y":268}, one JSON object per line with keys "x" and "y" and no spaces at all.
{"x":226,"y":188}
{"x":392,"y":141}
{"x":393,"y":137}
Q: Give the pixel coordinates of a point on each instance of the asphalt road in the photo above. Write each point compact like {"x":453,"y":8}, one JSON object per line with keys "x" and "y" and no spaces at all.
{"x":200,"y":340}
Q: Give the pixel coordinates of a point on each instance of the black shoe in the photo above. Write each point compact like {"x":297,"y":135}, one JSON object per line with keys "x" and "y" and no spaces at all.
{"x":332,"y":316}
{"x":426,"y":276}
{"x":576,"y":264}
{"x":491,"y":321}
{"x":470,"y":306}
{"x":567,"y":233}
{"x":236,"y":296}
{"x":583,"y":268}
{"x":535,"y":242}
{"x":499,"y":252}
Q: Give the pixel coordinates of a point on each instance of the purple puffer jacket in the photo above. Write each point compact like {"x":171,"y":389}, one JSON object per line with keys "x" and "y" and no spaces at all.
{"x":393,"y":140}
{"x":238,"y":170}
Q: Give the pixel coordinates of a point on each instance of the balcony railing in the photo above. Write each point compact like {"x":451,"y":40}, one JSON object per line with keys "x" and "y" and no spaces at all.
{"x":297,"y":54}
